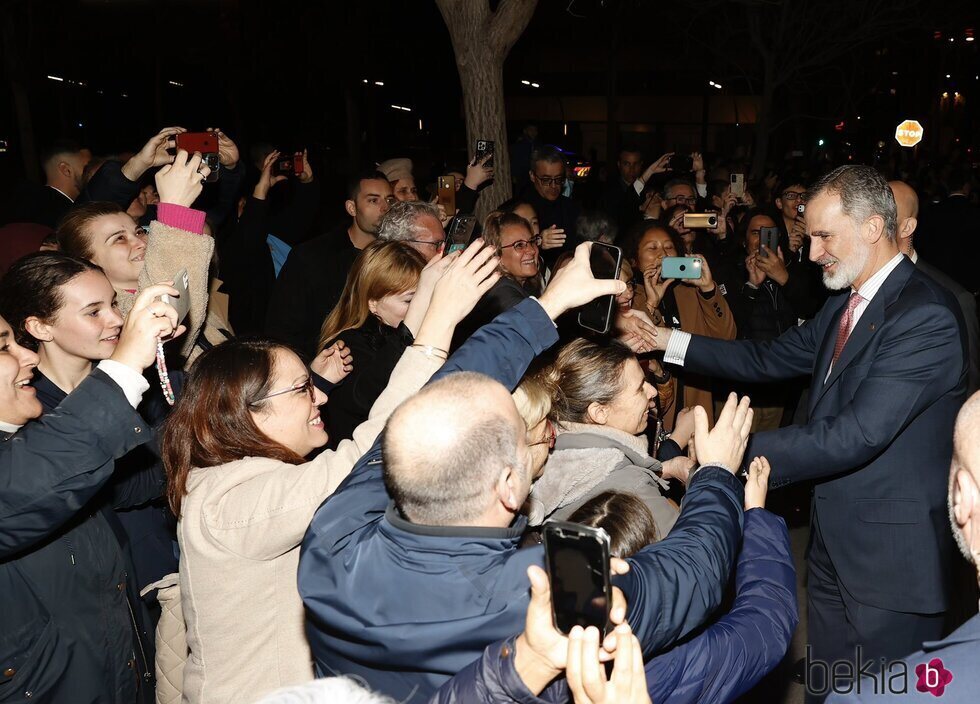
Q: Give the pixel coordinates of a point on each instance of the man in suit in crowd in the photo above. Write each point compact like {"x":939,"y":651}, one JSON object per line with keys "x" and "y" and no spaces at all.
{"x":955,"y":676}
{"x":951,"y":231}
{"x":889,"y":373}
{"x":63,"y":162}
{"x":621,"y":200}
{"x":907,"y":203}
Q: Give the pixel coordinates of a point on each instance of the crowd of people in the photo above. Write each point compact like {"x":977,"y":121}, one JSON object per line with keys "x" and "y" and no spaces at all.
{"x":249,"y":457}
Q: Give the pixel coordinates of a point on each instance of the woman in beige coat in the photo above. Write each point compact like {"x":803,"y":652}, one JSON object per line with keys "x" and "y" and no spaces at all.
{"x":244,"y":496}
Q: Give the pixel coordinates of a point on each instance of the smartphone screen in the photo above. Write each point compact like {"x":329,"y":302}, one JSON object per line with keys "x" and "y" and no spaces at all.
{"x":605,"y":261}
{"x":460,"y":232}
{"x":577,"y":558}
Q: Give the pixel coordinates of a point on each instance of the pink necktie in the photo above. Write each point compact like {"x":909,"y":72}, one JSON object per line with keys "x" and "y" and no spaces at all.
{"x":844,"y":327}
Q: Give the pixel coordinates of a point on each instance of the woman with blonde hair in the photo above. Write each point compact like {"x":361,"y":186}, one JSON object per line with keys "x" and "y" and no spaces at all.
{"x":371,"y":320}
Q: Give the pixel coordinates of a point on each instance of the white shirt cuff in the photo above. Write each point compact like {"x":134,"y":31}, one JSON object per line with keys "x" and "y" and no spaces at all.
{"x":702,"y":189}
{"x":132,"y":384}
{"x":677,"y":347}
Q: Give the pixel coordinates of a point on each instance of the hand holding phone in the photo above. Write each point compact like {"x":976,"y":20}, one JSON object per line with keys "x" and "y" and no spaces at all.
{"x":460,"y":232}
{"x":768,"y":240}
{"x":577,"y":558}
{"x":484,"y":147}
{"x":604,"y":260}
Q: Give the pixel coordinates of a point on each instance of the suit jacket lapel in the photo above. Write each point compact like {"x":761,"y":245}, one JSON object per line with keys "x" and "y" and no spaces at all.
{"x":869,"y":324}
{"x":826,"y":352}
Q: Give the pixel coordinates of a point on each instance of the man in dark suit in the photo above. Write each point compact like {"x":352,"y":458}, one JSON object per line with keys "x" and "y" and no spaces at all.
{"x":63,"y":162}
{"x":889,"y":374}
{"x":951,"y":232}
{"x":620,"y":199}
{"x":557,"y":213}
{"x":955,"y":677}
{"x":907,"y":203}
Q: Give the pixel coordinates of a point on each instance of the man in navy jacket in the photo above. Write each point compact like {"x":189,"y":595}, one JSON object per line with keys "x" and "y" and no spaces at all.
{"x":405,"y":604}
{"x":889,"y":373}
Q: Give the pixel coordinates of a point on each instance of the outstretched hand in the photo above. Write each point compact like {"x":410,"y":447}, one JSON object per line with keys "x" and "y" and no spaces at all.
{"x":724,"y":445}
{"x":181,"y":182}
{"x":266,"y":179}
{"x":757,"y":485}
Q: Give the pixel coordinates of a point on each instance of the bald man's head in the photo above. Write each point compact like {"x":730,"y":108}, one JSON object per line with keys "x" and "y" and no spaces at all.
{"x":964,"y":482}
{"x":446,"y":448}
{"x":907,"y":206}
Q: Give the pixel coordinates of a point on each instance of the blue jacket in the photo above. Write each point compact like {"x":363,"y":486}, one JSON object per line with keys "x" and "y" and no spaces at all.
{"x":718,"y":665}
{"x":66,"y":629}
{"x":405,"y":607}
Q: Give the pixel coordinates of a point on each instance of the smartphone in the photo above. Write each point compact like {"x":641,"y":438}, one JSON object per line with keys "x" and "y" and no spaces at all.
{"x":800,"y":210}
{"x":288,"y":165}
{"x":182,"y":302}
{"x":738,"y":185}
{"x":446,"y":196}
{"x":484,"y":147}
{"x":680,"y":268}
{"x":700,"y":220}
{"x":768,"y":238}
{"x":460,"y":232}
{"x":577,"y":558}
{"x":203,"y":142}
{"x":681,"y":163}
{"x":605,"y":261}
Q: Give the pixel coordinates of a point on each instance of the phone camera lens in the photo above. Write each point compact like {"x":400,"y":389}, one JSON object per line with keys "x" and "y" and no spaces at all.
{"x":683,"y":267}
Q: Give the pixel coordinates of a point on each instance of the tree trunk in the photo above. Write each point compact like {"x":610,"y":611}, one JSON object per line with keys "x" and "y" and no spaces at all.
{"x":481,"y":41}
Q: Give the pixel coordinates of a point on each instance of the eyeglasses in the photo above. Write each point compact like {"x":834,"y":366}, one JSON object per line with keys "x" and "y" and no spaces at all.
{"x":556,"y":181}
{"x":437,"y":243}
{"x":550,"y":436}
{"x":791,"y":195}
{"x":306,"y":386}
{"x":683,"y":200}
{"x":521,"y":245}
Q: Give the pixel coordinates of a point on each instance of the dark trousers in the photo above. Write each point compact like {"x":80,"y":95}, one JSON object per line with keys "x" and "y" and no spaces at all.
{"x":838,"y":624}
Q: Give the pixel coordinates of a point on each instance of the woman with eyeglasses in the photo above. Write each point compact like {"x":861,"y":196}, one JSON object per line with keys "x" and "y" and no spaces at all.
{"x":601,"y":402}
{"x":370,"y":320}
{"x":234,"y":449}
{"x":518,"y":248}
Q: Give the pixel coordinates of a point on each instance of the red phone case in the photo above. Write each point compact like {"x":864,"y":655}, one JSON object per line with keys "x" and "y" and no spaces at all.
{"x":203,"y":142}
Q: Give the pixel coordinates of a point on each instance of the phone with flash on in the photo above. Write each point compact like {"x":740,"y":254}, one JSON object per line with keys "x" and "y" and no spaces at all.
{"x":680,"y":268}
{"x":605,"y":260}
{"x":460,"y":233}
{"x":182,"y":302}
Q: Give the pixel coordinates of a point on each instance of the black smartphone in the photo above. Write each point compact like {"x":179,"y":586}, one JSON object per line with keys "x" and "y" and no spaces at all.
{"x":484,"y":147}
{"x":768,"y":238}
{"x":605,"y":261}
{"x":460,"y":232}
{"x":682,"y":163}
{"x":577,"y":558}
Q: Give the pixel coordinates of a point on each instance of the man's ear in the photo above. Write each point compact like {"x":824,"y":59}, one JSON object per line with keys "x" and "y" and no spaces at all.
{"x":874,"y":228}
{"x":38,"y":330}
{"x":965,"y":500}
{"x":351,"y":207}
{"x":64,"y":168}
{"x":508,"y":490}
{"x":908,"y":227}
{"x":598,"y":413}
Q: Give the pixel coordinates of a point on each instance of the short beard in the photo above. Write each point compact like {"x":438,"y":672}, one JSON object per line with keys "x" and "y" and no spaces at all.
{"x":848,"y":271}
{"x":958,"y":533}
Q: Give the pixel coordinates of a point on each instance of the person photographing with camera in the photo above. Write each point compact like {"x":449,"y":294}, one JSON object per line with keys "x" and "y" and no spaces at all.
{"x":66,"y":631}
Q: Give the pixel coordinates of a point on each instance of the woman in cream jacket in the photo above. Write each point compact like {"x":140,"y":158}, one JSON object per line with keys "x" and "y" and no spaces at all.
{"x":237,"y":480}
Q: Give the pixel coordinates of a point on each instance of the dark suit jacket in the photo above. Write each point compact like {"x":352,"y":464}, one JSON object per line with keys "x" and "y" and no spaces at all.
{"x":968,"y":305}
{"x":621,"y":202}
{"x":879,"y":439}
{"x":41,"y":205}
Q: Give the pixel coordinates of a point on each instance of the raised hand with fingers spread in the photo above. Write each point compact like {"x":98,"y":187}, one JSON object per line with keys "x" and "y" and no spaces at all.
{"x":154,"y":153}
{"x":724,"y":445}
{"x":574,"y":285}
